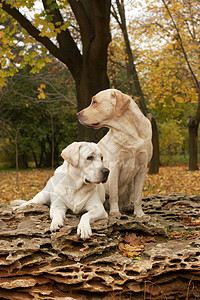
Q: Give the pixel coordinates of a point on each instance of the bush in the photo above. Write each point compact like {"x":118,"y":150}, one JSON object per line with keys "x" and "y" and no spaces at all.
{"x":171,"y":138}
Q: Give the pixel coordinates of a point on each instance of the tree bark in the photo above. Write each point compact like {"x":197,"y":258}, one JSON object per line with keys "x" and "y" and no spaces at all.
{"x":92,"y":76}
{"x":17,"y":158}
{"x":193,"y":125}
{"x":92,"y":80}
{"x":155,"y":162}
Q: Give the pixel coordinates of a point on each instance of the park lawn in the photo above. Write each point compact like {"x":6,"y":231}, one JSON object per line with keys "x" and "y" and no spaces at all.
{"x":176,"y":179}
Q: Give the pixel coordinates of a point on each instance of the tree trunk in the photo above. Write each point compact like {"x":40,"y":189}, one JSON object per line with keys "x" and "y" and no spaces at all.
{"x":134,"y":82}
{"x":42,"y":153}
{"x":91,"y":76}
{"x":17,"y":159}
{"x":35,"y":158}
{"x":52,"y":142}
{"x":154,"y":163}
{"x":193,"y":125}
{"x":23,"y":160}
{"x":93,"y":79}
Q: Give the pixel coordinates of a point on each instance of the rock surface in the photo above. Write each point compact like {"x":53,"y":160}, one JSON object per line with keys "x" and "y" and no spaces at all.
{"x":38,"y":264}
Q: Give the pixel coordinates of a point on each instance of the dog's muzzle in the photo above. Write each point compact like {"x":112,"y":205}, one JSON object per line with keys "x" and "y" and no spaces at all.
{"x":104,"y":176}
{"x":78,"y":114}
{"x":81,"y":120}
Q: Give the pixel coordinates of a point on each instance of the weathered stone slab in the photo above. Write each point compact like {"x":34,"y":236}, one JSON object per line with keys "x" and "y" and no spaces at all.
{"x":38,"y":264}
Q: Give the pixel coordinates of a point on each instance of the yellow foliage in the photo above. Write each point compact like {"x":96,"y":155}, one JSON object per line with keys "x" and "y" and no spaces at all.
{"x":10,"y":62}
{"x":41,"y":95}
{"x":168,"y":80}
{"x":42,"y":86}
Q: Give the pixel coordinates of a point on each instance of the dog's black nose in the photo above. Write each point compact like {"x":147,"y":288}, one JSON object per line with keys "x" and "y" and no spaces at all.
{"x":105,"y":172}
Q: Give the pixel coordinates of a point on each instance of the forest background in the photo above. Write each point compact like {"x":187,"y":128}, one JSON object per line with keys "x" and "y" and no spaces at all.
{"x":40,"y":92}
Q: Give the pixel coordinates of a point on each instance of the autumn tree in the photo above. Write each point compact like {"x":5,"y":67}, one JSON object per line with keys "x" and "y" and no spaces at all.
{"x":182,"y":38}
{"x":50,"y":26}
{"x":174,"y":26}
{"x":133,"y":81}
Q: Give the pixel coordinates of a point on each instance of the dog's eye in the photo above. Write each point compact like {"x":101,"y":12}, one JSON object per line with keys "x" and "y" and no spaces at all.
{"x":94,"y":102}
{"x":101,"y":158}
{"x":90,"y":157}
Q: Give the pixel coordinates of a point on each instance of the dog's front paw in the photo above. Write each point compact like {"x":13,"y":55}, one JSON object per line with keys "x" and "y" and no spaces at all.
{"x":17,"y":203}
{"x":115,"y":214}
{"x":128,"y":208}
{"x":84,"y":230}
{"x":56,"y":224}
{"x":138,"y":213}
{"x":20,"y":207}
{"x":23,"y":205}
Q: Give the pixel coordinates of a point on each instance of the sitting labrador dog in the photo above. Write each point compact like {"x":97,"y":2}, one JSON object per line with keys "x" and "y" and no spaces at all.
{"x":76,"y":185}
{"x":127,"y":147}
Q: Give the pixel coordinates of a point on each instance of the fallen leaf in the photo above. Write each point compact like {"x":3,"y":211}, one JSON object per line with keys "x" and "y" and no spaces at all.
{"x":133,"y":245}
{"x":176,"y":179}
{"x":177,"y":235}
{"x":169,"y":180}
{"x":188,"y":221}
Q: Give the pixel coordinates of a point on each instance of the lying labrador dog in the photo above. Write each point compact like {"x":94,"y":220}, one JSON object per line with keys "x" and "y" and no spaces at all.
{"x":76,"y":185}
{"x":127,"y":147}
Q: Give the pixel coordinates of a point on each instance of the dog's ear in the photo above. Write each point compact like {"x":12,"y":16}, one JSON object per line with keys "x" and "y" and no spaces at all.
{"x":121,"y":104}
{"x":71,"y":154}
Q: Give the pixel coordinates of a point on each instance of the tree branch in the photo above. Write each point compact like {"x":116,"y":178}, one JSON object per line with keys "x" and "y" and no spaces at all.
{"x":115,"y":16}
{"x":33,"y":31}
{"x":68,"y":53}
{"x":131,"y":67}
{"x":162,"y":27}
{"x":120,"y":7}
{"x":64,"y":38}
{"x":180,"y":41}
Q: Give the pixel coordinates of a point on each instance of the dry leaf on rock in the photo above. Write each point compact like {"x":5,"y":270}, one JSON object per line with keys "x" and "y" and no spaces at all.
{"x":130,"y":251}
{"x":180,"y":235}
{"x":188,"y":221}
{"x":133,"y":245}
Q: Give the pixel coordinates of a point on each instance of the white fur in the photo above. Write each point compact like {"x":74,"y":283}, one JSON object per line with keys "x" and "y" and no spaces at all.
{"x":127,"y":147}
{"x":69,"y":188}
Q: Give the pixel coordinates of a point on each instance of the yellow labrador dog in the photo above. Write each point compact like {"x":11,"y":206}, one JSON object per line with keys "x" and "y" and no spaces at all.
{"x":77,"y":185}
{"x":127,"y":147}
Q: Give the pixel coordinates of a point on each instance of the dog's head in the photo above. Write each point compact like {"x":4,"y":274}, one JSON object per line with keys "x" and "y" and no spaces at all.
{"x":107,"y":105}
{"x":87,"y":159}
